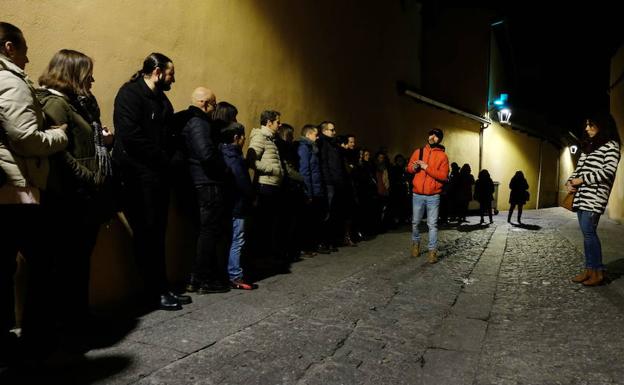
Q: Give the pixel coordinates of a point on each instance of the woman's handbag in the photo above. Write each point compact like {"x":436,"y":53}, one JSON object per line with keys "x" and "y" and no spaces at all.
{"x":566,"y":203}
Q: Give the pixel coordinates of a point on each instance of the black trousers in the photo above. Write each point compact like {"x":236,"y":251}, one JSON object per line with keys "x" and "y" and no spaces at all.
{"x":145,"y":203}
{"x":214,"y":233}
{"x":267,"y":242}
{"x":22,"y":229}
{"x":309,"y":232}
{"x":72,"y":230}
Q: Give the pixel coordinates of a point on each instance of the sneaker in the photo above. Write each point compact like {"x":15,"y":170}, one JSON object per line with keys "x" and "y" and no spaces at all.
{"x":308,"y":254}
{"x":213,"y":287}
{"x":239,"y":284}
{"x":322,"y":249}
{"x":193,"y":285}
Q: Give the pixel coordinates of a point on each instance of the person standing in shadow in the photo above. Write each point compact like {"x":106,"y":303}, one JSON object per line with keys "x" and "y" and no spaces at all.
{"x":484,"y":194}
{"x":518,"y":196}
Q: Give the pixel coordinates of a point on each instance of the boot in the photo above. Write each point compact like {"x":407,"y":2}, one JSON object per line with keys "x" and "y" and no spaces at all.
{"x":596,"y":278}
{"x":432,"y":257}
{"x":416,"y":249}
{"x":582,"y":276}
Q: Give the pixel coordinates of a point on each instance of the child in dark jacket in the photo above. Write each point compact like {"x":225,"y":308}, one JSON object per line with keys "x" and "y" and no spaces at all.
{"x":240,"y":193}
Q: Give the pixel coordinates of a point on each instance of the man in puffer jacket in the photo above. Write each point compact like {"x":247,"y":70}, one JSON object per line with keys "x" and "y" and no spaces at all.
{"x":264,"y":159}
{"x":430,"y":167}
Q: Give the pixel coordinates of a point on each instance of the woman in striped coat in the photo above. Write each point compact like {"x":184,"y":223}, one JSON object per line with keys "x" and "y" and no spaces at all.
{"x":592,"y":181}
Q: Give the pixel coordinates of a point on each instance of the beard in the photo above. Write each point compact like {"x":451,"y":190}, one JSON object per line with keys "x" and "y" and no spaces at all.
{"x":162,"y":85}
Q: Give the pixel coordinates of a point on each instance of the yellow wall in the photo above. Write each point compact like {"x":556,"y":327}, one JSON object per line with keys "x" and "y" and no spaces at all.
{"x":336,"y":60}
{"x":327,"y":59}
{"x":506,"y":151}
{"x":567,"y":163}
{"x":615,"y":209}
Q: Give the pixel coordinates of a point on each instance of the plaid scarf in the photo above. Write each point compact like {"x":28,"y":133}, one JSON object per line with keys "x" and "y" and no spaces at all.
{"x":89,"y":109}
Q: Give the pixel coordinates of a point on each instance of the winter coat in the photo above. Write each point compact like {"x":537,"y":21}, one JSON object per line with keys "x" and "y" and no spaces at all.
{"x":239,"y":186}
{"x":597,"y":169}
{"x":332,"y":162}
{"x":431,"y":180}
{"x":201,"y":148}
{"x":24,"y":145}
{"x":484,"y":190}
{"x":142,"y":119}
{"x":264,"y":157}
{"x":73,"y":170}
{"x":310,"y":168}
{"x":519,"y":194}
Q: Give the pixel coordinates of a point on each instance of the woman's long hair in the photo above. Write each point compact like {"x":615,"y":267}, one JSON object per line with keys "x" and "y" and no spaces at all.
{"x":607,"y":131}
{"x":69,"y":72}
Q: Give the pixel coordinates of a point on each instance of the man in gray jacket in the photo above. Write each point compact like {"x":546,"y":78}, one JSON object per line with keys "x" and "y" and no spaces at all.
{"x":24,"y":148}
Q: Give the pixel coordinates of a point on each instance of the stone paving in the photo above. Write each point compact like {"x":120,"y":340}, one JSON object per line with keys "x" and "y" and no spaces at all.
{"x":497,"y":309}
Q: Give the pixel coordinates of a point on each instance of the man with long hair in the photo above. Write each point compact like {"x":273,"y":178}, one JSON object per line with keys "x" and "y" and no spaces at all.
{"x":142,"y":150}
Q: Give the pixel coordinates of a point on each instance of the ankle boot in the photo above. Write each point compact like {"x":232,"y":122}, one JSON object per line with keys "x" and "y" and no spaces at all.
{"x":432,"y":257}
{"x":596,"y":278}
{"x":582,"y":276}
{"x":416,"y":249}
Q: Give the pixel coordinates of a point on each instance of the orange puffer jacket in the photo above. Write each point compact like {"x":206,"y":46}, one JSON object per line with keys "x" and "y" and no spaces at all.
{"x":431,"y":180}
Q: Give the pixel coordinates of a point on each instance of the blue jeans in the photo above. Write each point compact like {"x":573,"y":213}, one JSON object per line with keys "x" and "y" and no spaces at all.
{"x":238,"y":241}
{"x":432,"y":204}
{"x":593,"y":251}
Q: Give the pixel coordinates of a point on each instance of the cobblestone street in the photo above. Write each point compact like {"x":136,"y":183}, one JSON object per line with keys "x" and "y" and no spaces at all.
{"x":497,"y":309}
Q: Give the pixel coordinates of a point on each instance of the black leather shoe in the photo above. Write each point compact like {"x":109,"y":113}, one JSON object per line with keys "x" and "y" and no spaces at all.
{"x":169,"y":302}
{"x":213,"y":287}
{"x":182,"y":299}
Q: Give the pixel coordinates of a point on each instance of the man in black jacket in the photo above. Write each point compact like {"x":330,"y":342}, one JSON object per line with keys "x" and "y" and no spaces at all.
{"x":142,"y":118}
{"x":335,"y":178}
{"x":207,"y":169}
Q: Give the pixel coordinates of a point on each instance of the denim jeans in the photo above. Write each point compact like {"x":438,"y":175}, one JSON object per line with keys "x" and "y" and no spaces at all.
{"x":238,"y":241}
{"x":593,"y":251}
{"x":432,"y":204}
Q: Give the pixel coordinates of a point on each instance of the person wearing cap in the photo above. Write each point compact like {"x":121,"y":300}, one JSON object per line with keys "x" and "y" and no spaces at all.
{"x":430,"y":167}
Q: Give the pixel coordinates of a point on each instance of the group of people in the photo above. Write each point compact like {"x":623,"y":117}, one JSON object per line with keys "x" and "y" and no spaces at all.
{"x":62,"y":174}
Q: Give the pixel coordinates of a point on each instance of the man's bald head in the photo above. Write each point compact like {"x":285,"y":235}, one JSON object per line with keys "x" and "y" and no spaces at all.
{"x":204,"y":99}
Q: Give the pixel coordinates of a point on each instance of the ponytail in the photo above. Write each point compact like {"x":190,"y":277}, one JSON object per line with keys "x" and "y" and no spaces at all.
{"x":151,"y":62}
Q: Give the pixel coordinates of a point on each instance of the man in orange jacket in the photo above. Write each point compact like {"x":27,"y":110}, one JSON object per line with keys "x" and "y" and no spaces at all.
{"x":430,"y":167}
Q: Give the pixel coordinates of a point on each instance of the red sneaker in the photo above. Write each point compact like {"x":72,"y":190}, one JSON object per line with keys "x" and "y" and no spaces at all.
{"x":242,"y":285}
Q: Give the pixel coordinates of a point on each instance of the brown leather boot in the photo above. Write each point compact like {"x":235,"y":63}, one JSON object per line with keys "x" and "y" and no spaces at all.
{"x":596,"y":278}
{"x":416,"y":249}
{"x":432,"y":257}
{"x":582,"y":276}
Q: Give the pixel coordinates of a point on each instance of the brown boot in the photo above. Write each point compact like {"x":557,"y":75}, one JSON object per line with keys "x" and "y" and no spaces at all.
{"x":416,"y":249}
{"x":596,"y":278}
{"x":583,"y":276}
{"x":432,"y":257}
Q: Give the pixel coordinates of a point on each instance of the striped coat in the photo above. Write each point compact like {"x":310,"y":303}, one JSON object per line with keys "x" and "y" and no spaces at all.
{"x":598,"y":172}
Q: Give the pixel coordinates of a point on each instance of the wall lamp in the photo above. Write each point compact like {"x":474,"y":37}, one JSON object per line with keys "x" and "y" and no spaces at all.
{"x":573,"y":149}
{"x":502,"y":109}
